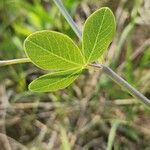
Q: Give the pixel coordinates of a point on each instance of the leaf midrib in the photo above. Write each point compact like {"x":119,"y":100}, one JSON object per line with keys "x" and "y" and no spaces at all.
{"x":54,"y":54}
{"x":61,"y":79}
{"x":97,"y":36}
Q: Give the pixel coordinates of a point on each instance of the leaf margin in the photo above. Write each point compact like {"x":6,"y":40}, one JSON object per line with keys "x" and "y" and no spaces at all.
{"x":77,"y":70}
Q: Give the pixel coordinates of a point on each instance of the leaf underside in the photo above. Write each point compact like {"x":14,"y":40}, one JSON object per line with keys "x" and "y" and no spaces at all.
{"x":51,"y":50}
{"x":54,"y":81}
{"x":98,"y":33}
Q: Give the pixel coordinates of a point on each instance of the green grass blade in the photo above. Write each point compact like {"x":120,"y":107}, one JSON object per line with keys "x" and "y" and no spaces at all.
{"x":112,"y":134}
{"x":64,"y":139}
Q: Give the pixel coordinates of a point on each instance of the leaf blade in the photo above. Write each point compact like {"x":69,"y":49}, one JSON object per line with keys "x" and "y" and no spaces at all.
{"x":52,"y":50}
{"x":98,"y":32}
{"x":54,"y":81}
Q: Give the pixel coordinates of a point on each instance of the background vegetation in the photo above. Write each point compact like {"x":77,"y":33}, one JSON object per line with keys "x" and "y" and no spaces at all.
{"x":93,"y":113}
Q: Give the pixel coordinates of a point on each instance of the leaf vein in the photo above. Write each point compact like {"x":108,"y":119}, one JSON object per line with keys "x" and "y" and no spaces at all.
{"x":97,"y":35}
{"x":54,"y":54}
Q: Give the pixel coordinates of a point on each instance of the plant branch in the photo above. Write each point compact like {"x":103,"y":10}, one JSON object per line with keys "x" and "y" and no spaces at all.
{"x":122,"y":83}
{"x":14,"y":61}
{"x":68,"y":17}
{"x":105,"y":69}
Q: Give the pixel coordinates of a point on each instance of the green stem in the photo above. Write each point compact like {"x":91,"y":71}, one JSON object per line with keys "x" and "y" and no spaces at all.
{"x":14,"y":61}
{"x":68,"y":17}
{"x":122,"y":83}
{"x":105,"y":69}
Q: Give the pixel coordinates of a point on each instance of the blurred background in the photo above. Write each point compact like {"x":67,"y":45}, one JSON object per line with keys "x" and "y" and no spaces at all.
{"x":94,"y":113}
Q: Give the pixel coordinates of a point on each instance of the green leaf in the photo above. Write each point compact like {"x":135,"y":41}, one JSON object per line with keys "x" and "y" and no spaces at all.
{"x":54,"y":81}
{"x":55,"y":51}
{"x":98,"y":32}
{"x":51,"y":50}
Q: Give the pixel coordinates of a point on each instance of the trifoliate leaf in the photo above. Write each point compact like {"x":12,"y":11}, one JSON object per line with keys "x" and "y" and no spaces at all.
{"x":55,"y":51}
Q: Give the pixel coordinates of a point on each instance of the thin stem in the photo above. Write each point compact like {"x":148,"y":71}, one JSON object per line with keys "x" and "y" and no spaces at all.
{"x":122,"y":83}
{"x":68,"y":17}
{"x":106,"y":69}
{"x":14,"y":61}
